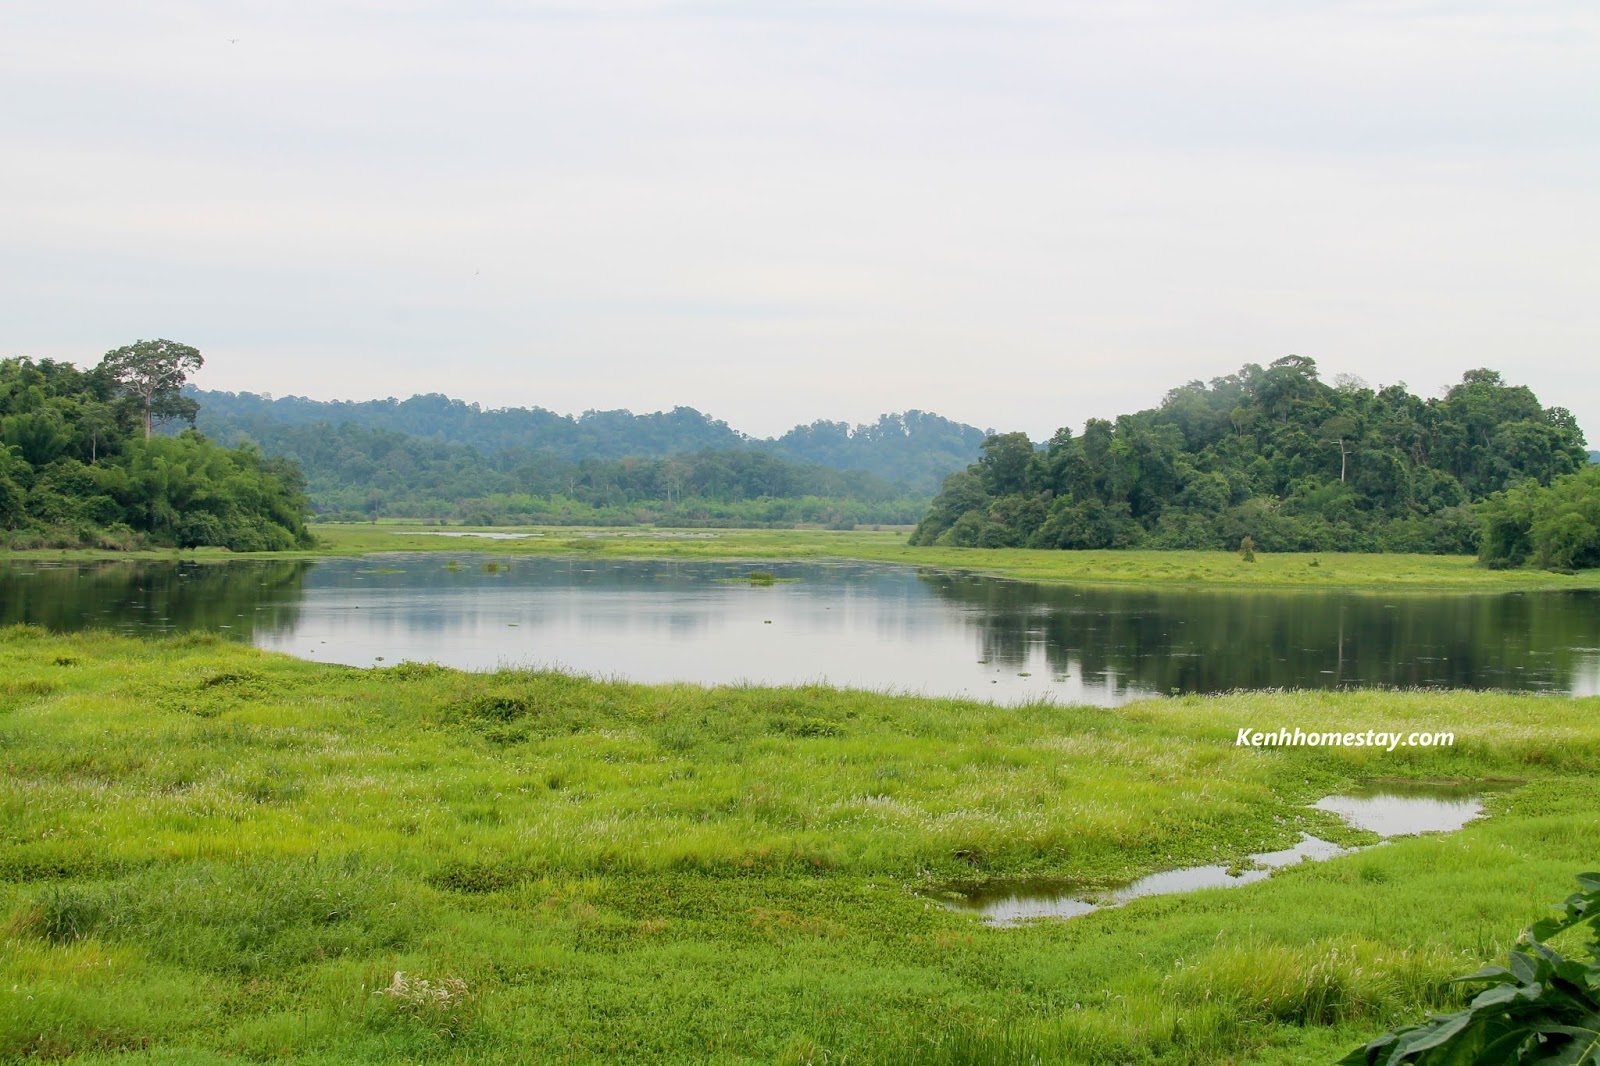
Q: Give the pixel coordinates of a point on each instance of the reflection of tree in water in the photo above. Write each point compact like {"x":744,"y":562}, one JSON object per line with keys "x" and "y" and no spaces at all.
{"x":1215,"y":641}
{"x":236,"y":598}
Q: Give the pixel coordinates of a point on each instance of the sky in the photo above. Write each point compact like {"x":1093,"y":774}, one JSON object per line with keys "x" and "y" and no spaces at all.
{"x":1014,"y":213}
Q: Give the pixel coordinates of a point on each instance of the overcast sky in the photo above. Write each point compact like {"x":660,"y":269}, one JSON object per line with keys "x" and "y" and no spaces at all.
{"x":1015,"y":213}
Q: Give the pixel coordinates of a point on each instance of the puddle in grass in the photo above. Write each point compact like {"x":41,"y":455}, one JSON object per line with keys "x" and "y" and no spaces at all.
{"x":1389,"y":810}
{"x":1408,"y":809}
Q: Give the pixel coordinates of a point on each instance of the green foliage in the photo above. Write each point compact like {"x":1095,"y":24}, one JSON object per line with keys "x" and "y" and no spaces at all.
{"x":151,"y":375}
{"x":76,"y":468}
{"x":355,"y":473}
{"x":1555,"y":527}
{"x":916,"y":448}
{"x":1540,"y":1008}
{"x":913,"y":450}
{"x":1274,"y":454}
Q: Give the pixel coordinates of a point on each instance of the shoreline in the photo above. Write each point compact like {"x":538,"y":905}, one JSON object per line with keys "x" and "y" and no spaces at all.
{"x":1176,"y":569}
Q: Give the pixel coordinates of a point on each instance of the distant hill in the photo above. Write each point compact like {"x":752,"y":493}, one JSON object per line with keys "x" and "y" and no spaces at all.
{"x":354,"y":472}
{"x":1594,"y":457}
{"x":915,"y":449}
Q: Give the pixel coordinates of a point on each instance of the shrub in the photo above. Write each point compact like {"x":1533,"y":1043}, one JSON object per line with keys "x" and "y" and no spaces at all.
{"x":1540,"y":1008}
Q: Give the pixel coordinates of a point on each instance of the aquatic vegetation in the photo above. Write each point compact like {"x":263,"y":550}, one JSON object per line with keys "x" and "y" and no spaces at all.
{"x":1387,"y":572}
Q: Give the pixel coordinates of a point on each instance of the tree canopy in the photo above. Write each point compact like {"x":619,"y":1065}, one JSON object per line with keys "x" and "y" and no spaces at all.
{"x":356,"y":472}
{"x":1273,"y":453}
{"x":1555,"y":527}
{"x":915,"y":449}
{"x":152,"y":373}
{"x":76,"y":468}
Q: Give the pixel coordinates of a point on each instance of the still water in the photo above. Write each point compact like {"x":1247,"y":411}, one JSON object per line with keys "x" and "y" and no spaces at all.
{"x":854,"y":625}
{"x":1385,"y":811}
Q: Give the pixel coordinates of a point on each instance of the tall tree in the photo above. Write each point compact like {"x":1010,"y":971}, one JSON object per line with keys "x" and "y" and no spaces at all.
{"x":151,"y":373}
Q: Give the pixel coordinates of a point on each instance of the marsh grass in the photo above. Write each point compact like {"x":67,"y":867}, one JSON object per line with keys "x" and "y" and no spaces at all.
{"x":1357,"y":571}
{"x":1361,"y":571}
{"x":673,"y":873}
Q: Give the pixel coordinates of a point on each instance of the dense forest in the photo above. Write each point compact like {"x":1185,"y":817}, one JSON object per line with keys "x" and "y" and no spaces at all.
{"x":354,"y":472}
{"x":1556,"y":527}
{"x":80,"y":464}
{"x":1271,"y":454}
{"x":915,"y":449}
{"x":1274,"y":454}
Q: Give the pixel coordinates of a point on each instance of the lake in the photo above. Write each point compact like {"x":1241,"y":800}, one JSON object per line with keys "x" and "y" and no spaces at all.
{"x":854,"y":625}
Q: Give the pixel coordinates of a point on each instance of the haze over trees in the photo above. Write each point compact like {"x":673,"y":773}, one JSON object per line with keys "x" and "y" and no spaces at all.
{"x":915,"y":449}
{"x":78,"y":468}
{"x":356,"y":472}
{"x":1273,"y":453}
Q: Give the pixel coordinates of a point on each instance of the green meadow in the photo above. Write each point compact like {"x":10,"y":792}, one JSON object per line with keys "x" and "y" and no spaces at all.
{"x":1329,"y":570}
{"x":211,"y":854}
{"x":1325,"y":570}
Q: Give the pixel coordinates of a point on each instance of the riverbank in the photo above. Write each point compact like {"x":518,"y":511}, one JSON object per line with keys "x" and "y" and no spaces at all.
{"x":213,"y":851}
{"x":1195,"y":569}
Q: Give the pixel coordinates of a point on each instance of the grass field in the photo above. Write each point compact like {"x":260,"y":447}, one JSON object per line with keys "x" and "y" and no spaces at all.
{"x":211,"y":853}
{"x":1287,"y":570}
{"x":1326,"y":570}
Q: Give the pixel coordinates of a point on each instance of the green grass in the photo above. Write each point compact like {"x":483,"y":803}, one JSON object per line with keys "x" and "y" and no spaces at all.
{"x":1324,"y":570}
{"x":213,"y":853}
{"x":1194,"y":568}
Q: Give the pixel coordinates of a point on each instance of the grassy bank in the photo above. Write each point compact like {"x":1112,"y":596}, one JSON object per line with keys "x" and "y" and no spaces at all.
{"x":1287,"y":570}
{"x":1326,"y":570}
{"x":212,"y":852}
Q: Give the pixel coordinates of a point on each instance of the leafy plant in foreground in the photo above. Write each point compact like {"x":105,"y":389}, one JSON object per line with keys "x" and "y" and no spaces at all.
{"x":1543,"y":1008}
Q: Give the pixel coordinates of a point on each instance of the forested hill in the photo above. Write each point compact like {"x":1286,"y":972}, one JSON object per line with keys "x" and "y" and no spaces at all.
{"x":1274,"y":454}
{"x":914,"y":449}
{"x":81,"y":467}
{"x":354,"y":472}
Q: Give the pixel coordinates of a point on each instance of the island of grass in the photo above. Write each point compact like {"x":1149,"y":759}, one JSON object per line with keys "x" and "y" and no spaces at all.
{"x":762,"y":548}
{"x":213,"y":852}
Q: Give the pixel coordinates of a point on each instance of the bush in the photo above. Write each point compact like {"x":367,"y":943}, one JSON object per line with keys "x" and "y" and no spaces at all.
{"x":1557,"y":528}
{"x":1540,"y":1008}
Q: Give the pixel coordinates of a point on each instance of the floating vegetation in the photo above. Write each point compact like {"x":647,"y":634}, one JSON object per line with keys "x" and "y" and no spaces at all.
{"x":756,"y":577}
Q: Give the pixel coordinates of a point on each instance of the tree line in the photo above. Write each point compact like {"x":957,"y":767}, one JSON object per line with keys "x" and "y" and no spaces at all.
{"x":354,"y":472}
{"x":81,"y":463}
{"x":1274,"y":454}
{"x":1556,"y":527}
{"x":915,"y":449}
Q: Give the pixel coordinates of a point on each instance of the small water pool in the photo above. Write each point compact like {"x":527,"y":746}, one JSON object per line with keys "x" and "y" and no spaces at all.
{"x":1389,"y":810}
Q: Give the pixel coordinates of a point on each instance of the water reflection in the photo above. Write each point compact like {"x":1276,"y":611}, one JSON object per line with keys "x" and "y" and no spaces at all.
{"x":1388,"y":812}
{"x":858,"y":625}
{"x":239,"y":598}
{"x":1213,"y":641}
{"x":1401,"y":810}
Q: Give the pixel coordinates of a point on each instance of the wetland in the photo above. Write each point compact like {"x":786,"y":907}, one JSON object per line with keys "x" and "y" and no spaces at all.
{"x":850,"y":624}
